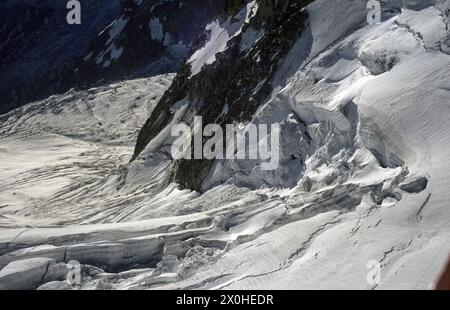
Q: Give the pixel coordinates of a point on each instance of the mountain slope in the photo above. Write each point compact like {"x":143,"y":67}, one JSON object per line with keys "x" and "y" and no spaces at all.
{"x":38,"y":47}
{"x":41,"y":55}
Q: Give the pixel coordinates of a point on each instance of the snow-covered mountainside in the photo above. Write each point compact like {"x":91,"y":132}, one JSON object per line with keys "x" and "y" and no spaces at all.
{"x":38,"y":47}
{"x":149,"y":38}
{"x":363,"y":111}
{"x":41,"y":55}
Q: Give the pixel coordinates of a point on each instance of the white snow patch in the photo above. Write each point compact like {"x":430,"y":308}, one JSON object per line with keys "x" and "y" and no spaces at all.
{"x":219,"y":35}
{"x":250,"y":37}
{"x":156,"y":29}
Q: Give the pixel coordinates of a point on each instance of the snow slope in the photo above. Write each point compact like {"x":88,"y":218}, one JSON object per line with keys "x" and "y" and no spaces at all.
{"x":55,"y":147}
{"x":365,"y":105}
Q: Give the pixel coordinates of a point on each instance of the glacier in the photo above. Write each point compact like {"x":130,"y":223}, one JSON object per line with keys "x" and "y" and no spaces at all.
{"x":364,"y":157}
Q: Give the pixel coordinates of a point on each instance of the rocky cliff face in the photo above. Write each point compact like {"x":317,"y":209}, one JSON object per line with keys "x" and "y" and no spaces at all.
{"x":227,"y":83}
{"x":149,"y":38}
{"x":38,"y":48}
{"x":42,"y":55}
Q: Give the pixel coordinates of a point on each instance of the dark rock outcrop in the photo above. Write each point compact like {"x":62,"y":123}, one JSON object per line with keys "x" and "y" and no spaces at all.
{"x":38,"y":47}
{"x":150,"y":37}
{"x":41,"y":55}
{"x":238,"y":79}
